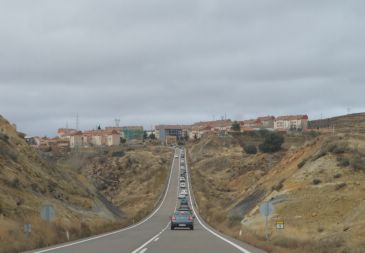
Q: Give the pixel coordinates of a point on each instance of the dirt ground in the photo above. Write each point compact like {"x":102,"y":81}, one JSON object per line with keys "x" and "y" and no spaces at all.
{"x":317,"y":185}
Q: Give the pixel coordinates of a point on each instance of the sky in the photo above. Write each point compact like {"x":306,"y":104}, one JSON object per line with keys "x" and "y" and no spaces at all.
{"x":163,"y":61}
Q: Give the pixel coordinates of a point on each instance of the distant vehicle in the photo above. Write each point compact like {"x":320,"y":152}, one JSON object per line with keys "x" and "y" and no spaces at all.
{"x":184,"y":191}
{"x":182,"y":155}
{"x":182,"y":167}
{"x":176,"y":156}
{"x":182,"y":185}
{"x":182,"y":179}
{"x":184,"y":201}
{"x":182,"y":219}
{"x":182,"y":196}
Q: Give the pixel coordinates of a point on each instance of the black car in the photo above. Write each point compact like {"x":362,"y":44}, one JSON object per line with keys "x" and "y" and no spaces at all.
{"x":182,"y":219}
{"x":184,"y":201}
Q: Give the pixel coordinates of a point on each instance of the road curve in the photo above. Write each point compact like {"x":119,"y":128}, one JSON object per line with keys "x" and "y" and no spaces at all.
{"x":153,"y":235}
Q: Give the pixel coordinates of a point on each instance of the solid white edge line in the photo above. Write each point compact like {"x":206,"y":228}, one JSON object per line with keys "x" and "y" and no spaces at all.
{"x":117,"y":231}
{"x":143,"y":251}
{"x":201,"y":223}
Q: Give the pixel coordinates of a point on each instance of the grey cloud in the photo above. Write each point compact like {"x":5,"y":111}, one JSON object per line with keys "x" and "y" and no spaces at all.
{"x":150,"y":62}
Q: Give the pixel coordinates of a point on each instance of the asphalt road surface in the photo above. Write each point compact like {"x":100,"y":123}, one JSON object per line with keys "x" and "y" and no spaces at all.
{"x":153,"y":234}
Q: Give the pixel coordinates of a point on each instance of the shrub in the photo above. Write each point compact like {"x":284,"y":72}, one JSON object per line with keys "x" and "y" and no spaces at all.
{"x":272,"y":143}
{"x":120,"y":153}
{"x":343,"y":161}
{"x":319,"y":154}
{"x":302,"y":163}
{"x":15,"y":183}
{"x":250,"y":149}
{"x":279,"y":186}
{"x":338,"y":175}
{"x":357,"y":163}
{"x":340,"y":186}
{"x":316,"y":181}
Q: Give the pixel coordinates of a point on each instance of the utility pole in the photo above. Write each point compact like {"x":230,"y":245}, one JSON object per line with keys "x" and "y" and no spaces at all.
{"x":117,"y":121}
{"x":77,"y":121}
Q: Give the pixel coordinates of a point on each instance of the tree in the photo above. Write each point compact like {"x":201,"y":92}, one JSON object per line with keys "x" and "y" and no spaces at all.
{"x":250,"y":149}
{"x":152,"y":136}
{"x":272,"y":143}
{"x":236,"y":126}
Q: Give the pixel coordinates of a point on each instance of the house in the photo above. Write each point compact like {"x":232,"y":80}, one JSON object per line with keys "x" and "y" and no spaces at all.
{"x":76,"y":139}
{"x":65,"y":133}
{"x":267,"y":121}
{"x":129,"y":132}
{"x":291,"y":122}
{"x":251,"y":123}
{"x":163,"y":131}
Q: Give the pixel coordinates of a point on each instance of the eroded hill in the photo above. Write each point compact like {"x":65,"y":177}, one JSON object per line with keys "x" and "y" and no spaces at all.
{"x":71,"y":185}
{"x":317,"y":185}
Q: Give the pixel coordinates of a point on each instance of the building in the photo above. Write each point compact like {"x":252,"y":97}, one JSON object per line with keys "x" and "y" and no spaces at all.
{"x":129,"y":132}
{"x":94,"y":138}
{"x":250,"y":124}
{"x":291,"y":122}
{"x":267,"y":121}
{"x":164,"y":133}
{"x":65,"y":133}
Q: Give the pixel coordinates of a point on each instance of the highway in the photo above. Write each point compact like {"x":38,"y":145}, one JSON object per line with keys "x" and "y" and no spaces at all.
{"x":153,"y":234}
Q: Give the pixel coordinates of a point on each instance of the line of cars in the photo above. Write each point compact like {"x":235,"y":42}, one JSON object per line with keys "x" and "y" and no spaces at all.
{"x":183,"y":216}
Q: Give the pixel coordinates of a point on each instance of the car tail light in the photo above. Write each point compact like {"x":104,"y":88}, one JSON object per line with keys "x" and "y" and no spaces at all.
{"x":173,"y":218}
{"x":190,"y":217}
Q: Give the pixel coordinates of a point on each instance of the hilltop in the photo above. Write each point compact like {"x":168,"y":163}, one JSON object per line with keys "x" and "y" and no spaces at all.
{"x":351,"y":122}
{"x":316,"y":183}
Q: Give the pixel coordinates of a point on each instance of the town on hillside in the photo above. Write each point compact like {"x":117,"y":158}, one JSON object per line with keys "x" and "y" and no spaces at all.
{"x":68,"y":138}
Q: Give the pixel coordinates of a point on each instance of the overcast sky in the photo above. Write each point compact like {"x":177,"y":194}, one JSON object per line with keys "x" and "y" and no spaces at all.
{"x":172,"y":61}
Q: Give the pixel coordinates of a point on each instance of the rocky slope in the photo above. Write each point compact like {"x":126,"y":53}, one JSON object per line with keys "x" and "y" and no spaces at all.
{"x":317,"y":185}
{"x":70,"y":185}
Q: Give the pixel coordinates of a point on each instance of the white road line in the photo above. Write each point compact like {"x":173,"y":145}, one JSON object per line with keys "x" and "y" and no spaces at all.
{"x":150,"y":240}
{"x":121,"y":230}
{"x":143,"y":251}
{"x":156,"y":237}
{"x":201,"y":223}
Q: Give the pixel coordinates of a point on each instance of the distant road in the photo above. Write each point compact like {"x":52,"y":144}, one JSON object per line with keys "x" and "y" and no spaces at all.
{"x":153,"y":235}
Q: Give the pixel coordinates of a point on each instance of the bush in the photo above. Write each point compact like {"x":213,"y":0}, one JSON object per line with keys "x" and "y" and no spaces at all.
{"x":357,"y":163}
{"x":343,"y":161}
{"x":340,"y":186}
{"x":120,"y":153}
{"x":302,"y":163}
{"x":338,"y":175}
{"x":250,"y":149}
{"x":15,"y":183}
{"x":279,"y":186}
{"x":272,"y":143}
{"x":316,"y":181}
{"x":319,"y":154}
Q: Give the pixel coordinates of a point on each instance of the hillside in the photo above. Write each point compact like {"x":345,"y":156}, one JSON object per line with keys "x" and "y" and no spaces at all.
{"x":316,"y":183}
{"x":28,"y":182}
{"x":351,"y":122}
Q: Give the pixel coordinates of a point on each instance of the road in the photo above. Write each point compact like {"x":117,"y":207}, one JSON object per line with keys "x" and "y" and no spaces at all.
{"x":153,"y":235}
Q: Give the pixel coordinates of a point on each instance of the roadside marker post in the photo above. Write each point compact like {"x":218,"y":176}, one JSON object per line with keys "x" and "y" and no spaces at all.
{"x":27,"y":229}
{"x":266,"y":209}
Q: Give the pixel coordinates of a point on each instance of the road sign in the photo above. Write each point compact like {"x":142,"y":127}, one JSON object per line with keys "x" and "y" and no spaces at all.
{"x":48,"y":213}
{"x":280,"y":224}
{"x":27,"y":228}
{"x":266,"y":208}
